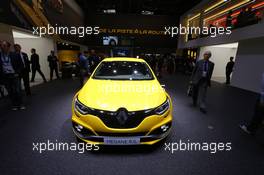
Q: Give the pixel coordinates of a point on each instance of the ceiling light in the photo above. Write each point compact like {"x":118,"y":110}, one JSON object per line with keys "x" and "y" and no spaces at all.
{"x":215,"y":5}
{"x":195,"y":16}
{"x":109,"y":11}
{"x":228,"y":9}
{"x":146,"y":12}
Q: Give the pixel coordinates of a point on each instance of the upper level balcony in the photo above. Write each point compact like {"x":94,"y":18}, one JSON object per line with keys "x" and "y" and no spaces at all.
{"x":243,"y":17}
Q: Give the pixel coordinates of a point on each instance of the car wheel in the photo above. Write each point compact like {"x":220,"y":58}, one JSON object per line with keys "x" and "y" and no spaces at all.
{"x":112,"y":43}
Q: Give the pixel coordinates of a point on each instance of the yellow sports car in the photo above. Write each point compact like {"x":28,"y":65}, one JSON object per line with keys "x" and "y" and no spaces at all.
{"x":122,"y":103}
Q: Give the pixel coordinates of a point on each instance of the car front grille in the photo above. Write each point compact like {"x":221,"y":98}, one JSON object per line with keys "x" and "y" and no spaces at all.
{"x":122,"y":119}
{"x":121,"y":134}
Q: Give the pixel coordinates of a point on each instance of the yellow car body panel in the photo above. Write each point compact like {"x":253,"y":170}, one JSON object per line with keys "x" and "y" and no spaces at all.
{"x":99,"y":95}
{"x":111,"y":95}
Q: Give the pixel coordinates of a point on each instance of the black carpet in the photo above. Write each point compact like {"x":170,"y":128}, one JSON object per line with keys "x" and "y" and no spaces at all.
{"x":48,"y":117}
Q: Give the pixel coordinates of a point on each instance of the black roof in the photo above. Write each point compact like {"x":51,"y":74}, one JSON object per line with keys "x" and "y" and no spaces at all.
{"x":159,"y":7}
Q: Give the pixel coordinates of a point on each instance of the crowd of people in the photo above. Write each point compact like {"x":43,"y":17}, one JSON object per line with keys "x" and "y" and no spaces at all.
{"x":201,"y":72}
{"x":15,"y":67}
{"x":201,"y":80}
{"x":87,"y":64}
{"x":173,"y":64}
{"x":169,"y":63}
{"x":200,"y":75}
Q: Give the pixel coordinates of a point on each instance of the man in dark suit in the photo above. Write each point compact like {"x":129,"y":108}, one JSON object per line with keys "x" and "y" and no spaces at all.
{"x":26,"y":68}
{"x":94,"y":60}
{"x":53,"y":64}
{"x":35,"y":66}
{"x":229,"y":69}
{"x":10,"y":69}
{"x":201,"y":79}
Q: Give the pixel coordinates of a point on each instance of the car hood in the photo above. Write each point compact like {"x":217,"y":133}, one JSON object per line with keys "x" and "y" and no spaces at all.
{"x":111,"y":95}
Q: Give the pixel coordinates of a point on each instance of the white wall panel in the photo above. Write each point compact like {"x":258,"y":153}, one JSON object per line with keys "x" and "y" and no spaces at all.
{"x":249,"y":65}
{"x":42,"y":45}
{"x":220,"y":56}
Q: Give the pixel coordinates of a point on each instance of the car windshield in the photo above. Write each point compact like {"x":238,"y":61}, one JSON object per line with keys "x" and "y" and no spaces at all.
{"x":123,"y":70}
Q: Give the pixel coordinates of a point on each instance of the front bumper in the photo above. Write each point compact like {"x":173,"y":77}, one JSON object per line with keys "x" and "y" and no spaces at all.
{"x":150,"y":131}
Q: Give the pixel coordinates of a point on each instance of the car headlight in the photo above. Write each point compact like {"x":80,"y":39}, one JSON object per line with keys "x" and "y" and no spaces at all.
{"x":163,"y":108}
{"x":81,"y":108}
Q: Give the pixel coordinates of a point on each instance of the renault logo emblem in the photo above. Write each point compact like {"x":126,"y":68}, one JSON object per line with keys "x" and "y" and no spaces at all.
{"x":122,"y":116}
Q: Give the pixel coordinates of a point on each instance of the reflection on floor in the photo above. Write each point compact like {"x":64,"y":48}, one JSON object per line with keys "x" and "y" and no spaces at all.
{"x":219,"y":79}
{"x":48,"y":118}
{"x":36,"y":82}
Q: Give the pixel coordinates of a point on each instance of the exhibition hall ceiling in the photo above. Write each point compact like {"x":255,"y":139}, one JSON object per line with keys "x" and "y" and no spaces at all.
{"x":150,"y":7}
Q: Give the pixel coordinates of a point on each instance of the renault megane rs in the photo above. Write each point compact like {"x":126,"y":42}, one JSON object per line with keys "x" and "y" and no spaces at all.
{"x":122,"y":103}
